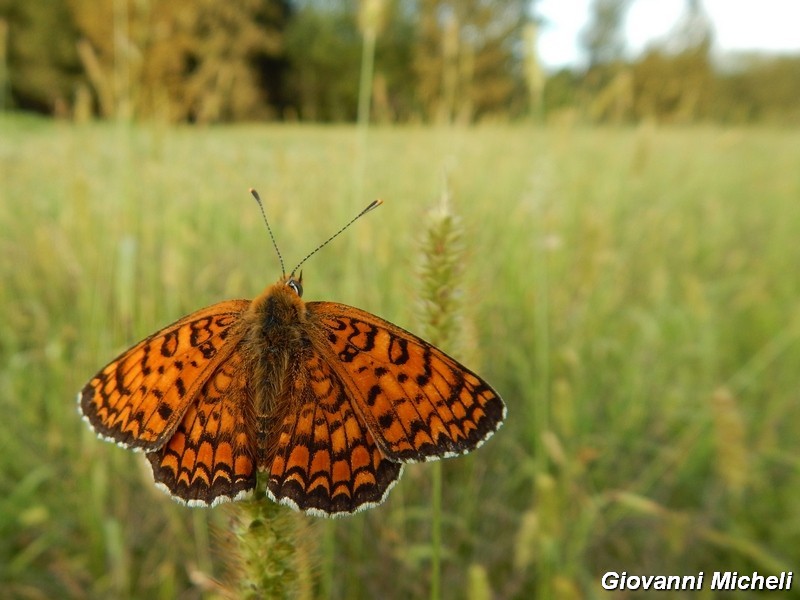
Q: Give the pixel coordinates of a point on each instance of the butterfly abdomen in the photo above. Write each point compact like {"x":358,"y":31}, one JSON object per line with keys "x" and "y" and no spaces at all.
{"x":274,"y":341}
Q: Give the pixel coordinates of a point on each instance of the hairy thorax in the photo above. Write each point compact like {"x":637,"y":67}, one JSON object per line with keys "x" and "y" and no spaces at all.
{"x":275,"y":338}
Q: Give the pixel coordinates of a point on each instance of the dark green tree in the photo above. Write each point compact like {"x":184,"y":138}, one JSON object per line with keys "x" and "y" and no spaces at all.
{"x":464,"y":58}
{"x":603,"y":39}
{"x":674,"y":81}
{"x":758,"y":88}
{"x":43,"y":67}
{"x":607,"y":89}
{"x":323,"y":47}
{"x":197,"y":60}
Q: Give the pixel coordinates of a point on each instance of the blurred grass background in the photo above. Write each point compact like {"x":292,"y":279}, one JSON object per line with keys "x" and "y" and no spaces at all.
{"x":631,"y":293}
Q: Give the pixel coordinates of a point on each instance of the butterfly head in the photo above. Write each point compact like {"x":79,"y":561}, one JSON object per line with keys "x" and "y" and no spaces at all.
{"x":280,"y":303}
{"x":295,"y":283}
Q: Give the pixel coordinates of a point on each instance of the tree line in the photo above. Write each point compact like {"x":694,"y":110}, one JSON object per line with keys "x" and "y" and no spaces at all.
{"x":433,"y":61}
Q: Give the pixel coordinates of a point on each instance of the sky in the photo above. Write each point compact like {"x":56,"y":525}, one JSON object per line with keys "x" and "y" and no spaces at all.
{"x":762,"y":25}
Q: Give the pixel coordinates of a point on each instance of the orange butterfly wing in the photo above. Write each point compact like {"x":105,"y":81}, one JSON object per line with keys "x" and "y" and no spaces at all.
{"x":326,"y":462}
{"x":360,"y":397}
{"x":139,"y":399}
{"x":416,"y":401}
{"x":209,"y":458}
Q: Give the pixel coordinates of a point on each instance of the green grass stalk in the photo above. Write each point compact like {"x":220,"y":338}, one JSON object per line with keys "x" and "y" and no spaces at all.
{"x":266,"y":554}
{"x":440,"y":273}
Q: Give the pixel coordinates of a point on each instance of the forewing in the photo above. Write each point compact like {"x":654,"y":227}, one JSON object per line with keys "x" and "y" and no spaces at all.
{"x":210,"y":457}
{"x":139,"y":398}
{"x":326,"y":462}
{"x":418,"y":402}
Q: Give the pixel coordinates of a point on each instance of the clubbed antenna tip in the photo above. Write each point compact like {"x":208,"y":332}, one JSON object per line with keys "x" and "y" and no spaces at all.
{"x":269,"y":229}
{"x":370,"y":206}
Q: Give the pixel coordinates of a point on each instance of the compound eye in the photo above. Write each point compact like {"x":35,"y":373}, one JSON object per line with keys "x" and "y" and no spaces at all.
{"x":295,"y":285}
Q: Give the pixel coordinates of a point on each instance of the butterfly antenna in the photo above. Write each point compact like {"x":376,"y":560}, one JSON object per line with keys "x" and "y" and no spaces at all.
{"x":373,"y":204}
{"x":272,"y":237}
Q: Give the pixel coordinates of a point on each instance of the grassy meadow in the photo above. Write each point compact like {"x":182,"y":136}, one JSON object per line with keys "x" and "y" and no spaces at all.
{"x":633,"y":294}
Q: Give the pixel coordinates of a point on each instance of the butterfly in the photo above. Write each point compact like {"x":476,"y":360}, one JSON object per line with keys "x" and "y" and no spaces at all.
{"x":327,"y":400}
